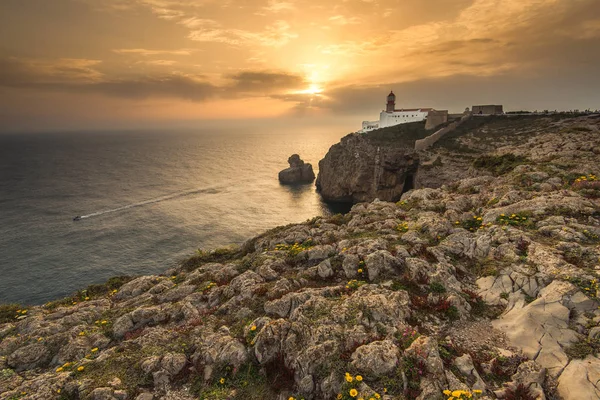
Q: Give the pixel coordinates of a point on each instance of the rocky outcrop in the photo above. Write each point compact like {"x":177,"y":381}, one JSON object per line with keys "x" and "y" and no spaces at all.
{"x":298,"y":172}
{"x":490,"y":284}
{"x":357,"y":169}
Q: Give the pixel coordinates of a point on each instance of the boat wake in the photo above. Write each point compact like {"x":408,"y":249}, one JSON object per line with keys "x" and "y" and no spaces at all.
{"x":171,"y":196}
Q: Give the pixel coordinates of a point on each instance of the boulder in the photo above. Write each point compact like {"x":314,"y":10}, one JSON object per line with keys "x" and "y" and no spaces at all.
{"x":376,"y":358}
{"x":298,"y":172}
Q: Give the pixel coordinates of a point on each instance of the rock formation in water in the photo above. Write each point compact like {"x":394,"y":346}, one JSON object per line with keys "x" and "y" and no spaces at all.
{"x":298,"y":172}
{"x":488,"y":286}
{"x":357,"y":170}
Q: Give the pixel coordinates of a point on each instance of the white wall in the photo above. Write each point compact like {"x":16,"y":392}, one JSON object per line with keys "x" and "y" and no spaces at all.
{"x":369,"y":125}
{"x":400,"y":117}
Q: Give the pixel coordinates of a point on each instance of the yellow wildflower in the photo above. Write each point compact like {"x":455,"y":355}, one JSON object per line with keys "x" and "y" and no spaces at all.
{"x":253,"y":328}
{"x":82,"y":333}
{"x":339,"y":396}
{"x":447,"y":392}
{"x":222,"y":381}
{"x":59,"y":369}
{"x":477,"y":391}
{"x":291,"y":398}
{"x":359,"y":378}
{"x":104,"y":322}
{"x":360,"y":270}
{"x":377,"y":396}
{"x":349,"y":378}
{"x":95,"y":349}
{"x":353,"y":392}
{"x":81,"y":368}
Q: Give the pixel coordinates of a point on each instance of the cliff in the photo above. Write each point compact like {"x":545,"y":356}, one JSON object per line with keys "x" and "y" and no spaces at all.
{"x":378,"y":164}
{"x":487,"y":284}
{"x":357,"y":170}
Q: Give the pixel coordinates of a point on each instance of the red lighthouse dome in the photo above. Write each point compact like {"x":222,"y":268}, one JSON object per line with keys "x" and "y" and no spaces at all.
{"x":391,"y":102}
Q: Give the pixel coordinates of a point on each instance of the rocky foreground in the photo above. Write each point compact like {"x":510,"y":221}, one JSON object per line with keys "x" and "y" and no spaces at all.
{"x":486,"y":286}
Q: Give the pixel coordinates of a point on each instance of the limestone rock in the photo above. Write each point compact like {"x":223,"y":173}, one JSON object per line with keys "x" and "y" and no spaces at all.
{"x":580,"y":380}
{"x":376,"y":358}
{"x":357,"y":169}
{"x":29,"y":357}
{"x":298,"y":172}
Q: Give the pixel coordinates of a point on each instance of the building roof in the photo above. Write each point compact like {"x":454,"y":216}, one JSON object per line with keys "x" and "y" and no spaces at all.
{"x":414,"y":109}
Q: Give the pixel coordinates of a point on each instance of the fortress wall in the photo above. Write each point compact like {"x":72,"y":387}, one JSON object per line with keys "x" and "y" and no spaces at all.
{"x":422,"y":144}
{"x":436,"y":118}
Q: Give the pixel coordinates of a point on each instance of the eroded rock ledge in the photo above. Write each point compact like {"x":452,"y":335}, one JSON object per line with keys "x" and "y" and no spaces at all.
{"x":490,"y":284}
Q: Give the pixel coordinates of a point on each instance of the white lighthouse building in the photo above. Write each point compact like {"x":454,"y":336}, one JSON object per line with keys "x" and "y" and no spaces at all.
{"x":390,"y":116}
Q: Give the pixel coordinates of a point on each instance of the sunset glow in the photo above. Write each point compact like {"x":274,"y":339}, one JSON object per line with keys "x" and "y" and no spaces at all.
{"x":198,"y":55}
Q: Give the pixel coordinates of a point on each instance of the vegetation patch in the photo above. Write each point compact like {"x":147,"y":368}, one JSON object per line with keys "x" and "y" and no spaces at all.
{"x":11,"y":312}
{"x":519,"y":219}
{"x":293,"y":250}
{"x":583,"y":348}
{"x":406,"y":337}
{"x":499,"y":165}
{"x":473,"y":224}
{"x":247,"y":382}
{"x":220,"y":255}
{"x":339,"y":219}
{"x":410,"y":204}
{"x":587,"y":286}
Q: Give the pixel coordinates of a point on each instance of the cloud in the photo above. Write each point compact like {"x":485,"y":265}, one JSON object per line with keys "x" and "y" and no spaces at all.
{"x":266,"y":82}
{"x":275,"y":35}
{"x":174,"y":85}
{"x":149,"y":52}
{"x":277,"y":6}
{"x":79,"y":77}
{"x":23,"y":72}
{"x":160,"y":62}
{"x":342,"y":20}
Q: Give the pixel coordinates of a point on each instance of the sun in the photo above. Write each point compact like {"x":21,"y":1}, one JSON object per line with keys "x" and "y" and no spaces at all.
{"x":312,"y":89}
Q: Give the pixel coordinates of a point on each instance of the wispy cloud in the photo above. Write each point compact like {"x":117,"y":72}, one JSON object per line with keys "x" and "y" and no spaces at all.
{"x":343,"y":20}
{"x":155,"y":52}
{"x":274,"y":35}
{"x":277,"y":6}
{"x":76,"y":75}
{"x":160,"y":62}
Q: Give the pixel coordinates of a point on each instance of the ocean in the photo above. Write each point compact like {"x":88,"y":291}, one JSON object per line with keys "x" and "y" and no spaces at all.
{"x":147,"y":201}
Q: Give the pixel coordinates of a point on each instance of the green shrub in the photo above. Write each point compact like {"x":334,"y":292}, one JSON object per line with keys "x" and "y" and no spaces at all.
{"x":9,"y":312}
{"x":499,"y":165}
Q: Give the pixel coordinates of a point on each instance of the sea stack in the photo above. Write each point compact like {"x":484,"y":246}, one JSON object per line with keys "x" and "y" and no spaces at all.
{"x":298,"y":172}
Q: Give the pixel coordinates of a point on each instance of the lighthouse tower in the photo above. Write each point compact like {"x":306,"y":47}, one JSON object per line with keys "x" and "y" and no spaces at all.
{"x":391,"y":102}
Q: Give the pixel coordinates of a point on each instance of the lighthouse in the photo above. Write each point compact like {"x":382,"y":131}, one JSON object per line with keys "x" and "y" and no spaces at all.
{"x":391,"y":116}
{"x":391,"y":102}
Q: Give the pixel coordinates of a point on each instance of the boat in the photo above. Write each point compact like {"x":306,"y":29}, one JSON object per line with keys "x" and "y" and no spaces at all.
{"x":77,"y":218}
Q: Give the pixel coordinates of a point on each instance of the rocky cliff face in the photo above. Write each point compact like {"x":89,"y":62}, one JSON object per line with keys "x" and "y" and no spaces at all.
{"x":487,"y":287}
{"x":357,"y":170}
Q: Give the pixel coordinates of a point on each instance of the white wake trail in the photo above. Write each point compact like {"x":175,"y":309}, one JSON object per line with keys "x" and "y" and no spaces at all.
{"x":214,"y":189}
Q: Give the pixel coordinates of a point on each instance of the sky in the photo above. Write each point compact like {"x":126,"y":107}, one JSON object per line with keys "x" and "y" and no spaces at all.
{"x":99,"y":64}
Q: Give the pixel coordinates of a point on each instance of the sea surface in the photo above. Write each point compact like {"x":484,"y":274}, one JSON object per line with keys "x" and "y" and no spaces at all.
{"x":147,"y":200}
